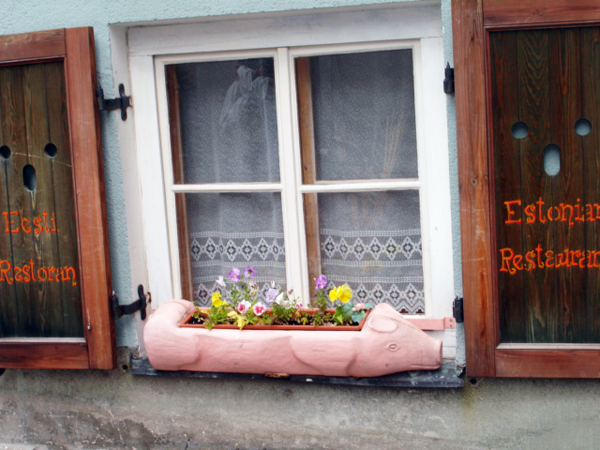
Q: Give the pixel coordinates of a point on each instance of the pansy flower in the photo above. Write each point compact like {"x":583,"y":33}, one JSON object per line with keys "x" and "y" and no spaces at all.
{"x":342,"y":293}
{"x":249,"y":272}
{"x":271,"y":295}
{"x":216,"y":299}
{"x":220,"y":281}
{"x":243,"y":306}
{"x":259,"y":309}
{"x":235,"y":274}
{"x":321,"y":281}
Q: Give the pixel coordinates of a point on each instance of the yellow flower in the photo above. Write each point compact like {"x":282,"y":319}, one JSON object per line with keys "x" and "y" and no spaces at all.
{"x":216,"y":299}
{"x":341,"y":293}
{"x":334,"y":294}
{"x":345,"y":293}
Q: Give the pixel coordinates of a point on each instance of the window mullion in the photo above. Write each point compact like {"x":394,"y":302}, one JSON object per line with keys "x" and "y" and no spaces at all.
{"x":293,"y":226}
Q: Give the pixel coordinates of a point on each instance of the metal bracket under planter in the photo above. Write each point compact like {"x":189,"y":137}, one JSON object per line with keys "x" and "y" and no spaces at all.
{"x":139,"y":305}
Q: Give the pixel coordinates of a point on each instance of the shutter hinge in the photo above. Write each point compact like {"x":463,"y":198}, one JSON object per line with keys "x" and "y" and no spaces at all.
{"x":139,"y":305}
{"x":457,"y":310}
{"x":448,"y":79}
{"x":122,"y":102}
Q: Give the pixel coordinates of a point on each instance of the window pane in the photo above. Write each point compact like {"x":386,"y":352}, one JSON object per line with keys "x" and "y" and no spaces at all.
{"x":364,"y":115}
{"x":228,"y":121}
{"x":372,"y":242}
{"x":233,"y":230}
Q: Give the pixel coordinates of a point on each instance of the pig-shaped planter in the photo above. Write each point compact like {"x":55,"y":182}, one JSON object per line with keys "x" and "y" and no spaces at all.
{"x":387,"y":344}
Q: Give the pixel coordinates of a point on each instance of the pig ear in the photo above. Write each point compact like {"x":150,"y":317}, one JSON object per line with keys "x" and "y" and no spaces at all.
{"x":383,"y":324}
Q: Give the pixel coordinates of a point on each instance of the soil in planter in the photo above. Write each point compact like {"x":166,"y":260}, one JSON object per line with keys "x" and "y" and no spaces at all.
{"x":294,"y":324}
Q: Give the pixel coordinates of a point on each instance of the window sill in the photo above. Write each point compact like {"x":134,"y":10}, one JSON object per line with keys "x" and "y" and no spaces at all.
{"x":445,"y":377}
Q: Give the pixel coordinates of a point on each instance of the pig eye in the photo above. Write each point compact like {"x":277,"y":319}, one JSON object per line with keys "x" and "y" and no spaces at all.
{"x":392,"y":347}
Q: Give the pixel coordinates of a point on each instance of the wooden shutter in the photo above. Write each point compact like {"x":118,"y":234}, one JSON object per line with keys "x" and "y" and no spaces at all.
{"x":533,"y":62}
{"x":54,"y":265}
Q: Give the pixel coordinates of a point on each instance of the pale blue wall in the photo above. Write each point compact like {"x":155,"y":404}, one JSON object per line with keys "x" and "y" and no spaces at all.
{"x":20,"y":16}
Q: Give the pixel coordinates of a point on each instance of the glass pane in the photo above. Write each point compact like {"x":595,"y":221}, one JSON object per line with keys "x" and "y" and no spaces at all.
{"x":228,"y":121}
{"x":40,"y":293}
{"x":364,"y":115}
{"x":372,"y":242}
{"x":234,"y":230}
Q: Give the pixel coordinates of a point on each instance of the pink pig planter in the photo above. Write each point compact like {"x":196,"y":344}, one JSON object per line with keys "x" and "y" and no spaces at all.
{"x":387,"y":344}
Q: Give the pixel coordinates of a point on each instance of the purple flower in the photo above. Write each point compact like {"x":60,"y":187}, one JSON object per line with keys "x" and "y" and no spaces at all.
{"x":259,"y":309}
{"x":249,"y":272}
{"x":235,"y":274}
{"x":243,"y":306}
{"x":321,"y":281}
{"x":271,"y":295}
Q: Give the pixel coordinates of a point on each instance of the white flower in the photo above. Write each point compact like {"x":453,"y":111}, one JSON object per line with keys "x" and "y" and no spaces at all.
{"x":220,"y":281}
{"x":259,"y":309}
{"x":283,"y":300}
{"x":243,"y":306}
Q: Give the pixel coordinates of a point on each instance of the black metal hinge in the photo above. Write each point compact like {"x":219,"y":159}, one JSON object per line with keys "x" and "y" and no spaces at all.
{"x":448,"y":79}
{"x":139,"y":305}
{"x":122,"y":102}
{"x":457,"y":310}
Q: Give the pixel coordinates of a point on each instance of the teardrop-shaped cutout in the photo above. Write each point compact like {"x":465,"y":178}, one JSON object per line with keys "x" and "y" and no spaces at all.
{"x":29,"y":177}
{"x":5,"y":151}
{"x":552,"y":160}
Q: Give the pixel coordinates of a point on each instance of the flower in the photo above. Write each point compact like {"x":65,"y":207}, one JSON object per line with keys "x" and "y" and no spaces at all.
{"x":249,"y":272}
{"x":216,"y":299}
{"x":341,"y":293}
{"x":252,"y":289}
{"x":321,"y":281}
{"x":359,"y":307}
{"x":259,"y":309}
{"x":243,"y":306}
{"x":235,"y":274}
{"x":271,"y":295}
{"x":220,"y":281}
{"x":283,"y":300}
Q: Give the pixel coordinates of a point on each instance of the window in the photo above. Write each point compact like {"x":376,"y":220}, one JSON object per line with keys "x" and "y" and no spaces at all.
{"x":297,"y":152}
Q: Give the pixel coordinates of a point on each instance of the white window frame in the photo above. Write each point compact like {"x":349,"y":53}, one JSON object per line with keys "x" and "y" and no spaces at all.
{"x":286,"y":36}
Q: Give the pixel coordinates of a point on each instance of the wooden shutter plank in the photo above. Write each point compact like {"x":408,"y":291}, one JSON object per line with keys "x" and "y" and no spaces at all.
{"x":533,"y":91}
{"x":64,"y":200}
{"x":507,"y":155}
{"x":548,"y":363}
{"x":567,"y":185}
{"x":475,"y":198}
{"x":47,"y":310}
{"x":590,"y":94}
{"x":9,"y":309}
{"x":89,"y":194}
{"x":536,"y":13}
{"x":29,"y":46}
{"x":44,"y":355}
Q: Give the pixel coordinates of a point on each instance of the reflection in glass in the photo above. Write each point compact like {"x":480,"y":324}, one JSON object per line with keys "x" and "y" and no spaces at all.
{"x":364,"y":115}
{"x":228,"y":121}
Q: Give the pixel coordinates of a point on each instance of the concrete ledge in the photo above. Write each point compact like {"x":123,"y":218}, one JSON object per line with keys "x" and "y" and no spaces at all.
{"x":444,"y":377}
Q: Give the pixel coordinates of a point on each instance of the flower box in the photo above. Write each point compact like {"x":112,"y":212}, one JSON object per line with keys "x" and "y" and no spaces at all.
{"x":387,"y":343}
